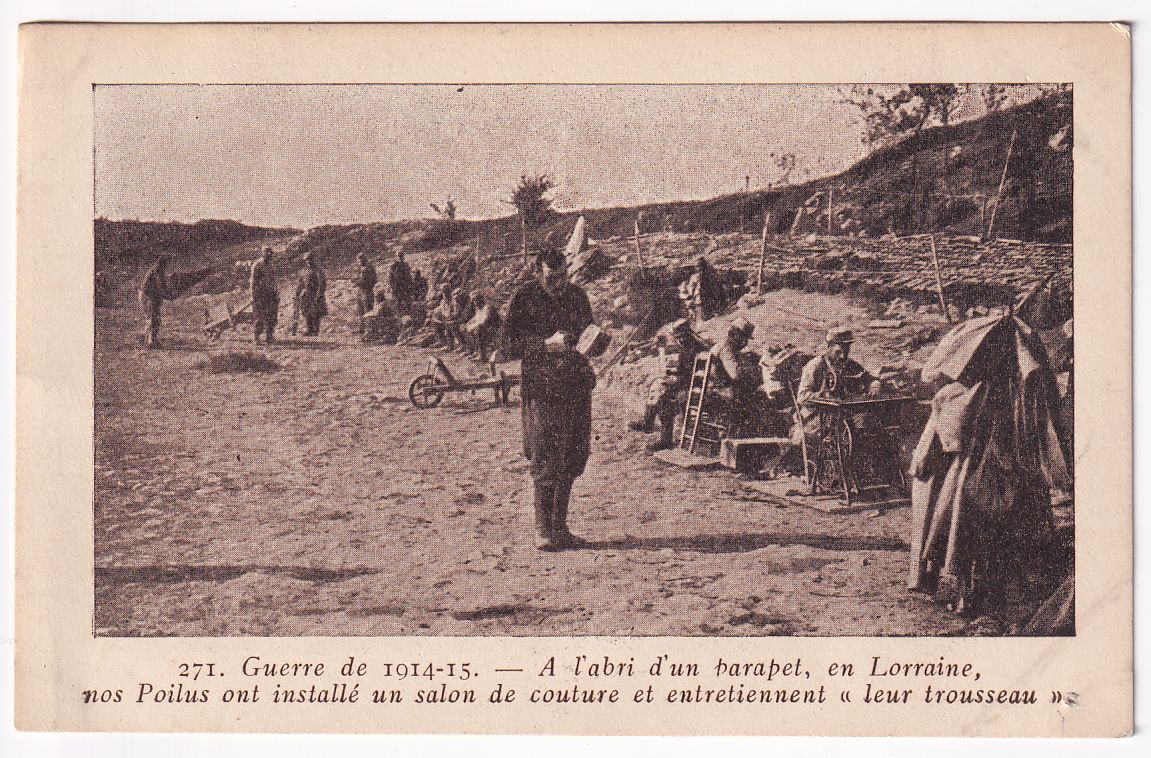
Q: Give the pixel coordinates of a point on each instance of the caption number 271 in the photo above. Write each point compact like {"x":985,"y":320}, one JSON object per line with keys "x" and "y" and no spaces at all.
{"x":194,"y":671}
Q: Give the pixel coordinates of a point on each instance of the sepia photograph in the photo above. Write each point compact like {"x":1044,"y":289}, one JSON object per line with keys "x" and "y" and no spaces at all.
{"x":676,"y":360}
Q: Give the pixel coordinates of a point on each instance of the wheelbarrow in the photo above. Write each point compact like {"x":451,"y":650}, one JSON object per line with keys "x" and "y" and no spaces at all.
{"x":427,"y":390}
{"x":215,"y":328}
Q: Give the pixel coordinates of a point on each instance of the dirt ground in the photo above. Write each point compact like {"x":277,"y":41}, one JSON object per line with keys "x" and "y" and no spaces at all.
{"x":314,"y":499}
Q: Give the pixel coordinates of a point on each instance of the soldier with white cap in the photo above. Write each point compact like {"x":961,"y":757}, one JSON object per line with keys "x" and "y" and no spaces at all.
{"x":835,"y":375}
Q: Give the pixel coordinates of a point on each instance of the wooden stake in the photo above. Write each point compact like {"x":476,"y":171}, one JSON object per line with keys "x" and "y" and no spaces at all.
{"x":638,"y":249}
{"x":939,"y":281}
{"x":830,"y":191}
{"x":743,"y":201}
{"x":1002,"y":181}
{"x":524,"y":238}
{"x":762,"y":253}
{"x":795,"y":222}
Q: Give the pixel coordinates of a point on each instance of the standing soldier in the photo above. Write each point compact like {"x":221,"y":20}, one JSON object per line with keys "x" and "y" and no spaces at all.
{"x":310,"y":299}
{"x":153,"y":292}
{"x":400,"y":283}
{"x":544,"y":322}
{"x":365,"y":286}
{"x":265,"y":297}
{"x":702,"y":293}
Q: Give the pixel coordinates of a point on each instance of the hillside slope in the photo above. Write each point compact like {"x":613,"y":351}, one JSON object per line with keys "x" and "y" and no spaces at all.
{"x":942,"y":180}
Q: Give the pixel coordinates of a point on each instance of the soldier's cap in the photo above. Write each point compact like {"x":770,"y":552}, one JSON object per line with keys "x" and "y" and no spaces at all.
{"x":840,"y":337}
{"x":742,"y":326}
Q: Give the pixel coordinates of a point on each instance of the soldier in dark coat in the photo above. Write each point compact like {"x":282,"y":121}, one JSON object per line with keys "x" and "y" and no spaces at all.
{"x":154,"y":290}
{"x":311,"y":300}
{"x":544,"y":321}
{"x":400,"y":283}
{"x":265,"y":297}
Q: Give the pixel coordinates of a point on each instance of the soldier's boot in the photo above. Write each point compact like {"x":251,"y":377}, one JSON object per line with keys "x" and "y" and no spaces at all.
{"x":562,"y":535}
{"x":666,"y":440}
{"x":543,"y":502}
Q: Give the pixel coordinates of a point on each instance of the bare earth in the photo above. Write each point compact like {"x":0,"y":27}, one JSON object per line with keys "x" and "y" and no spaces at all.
{"x":316,"y":500}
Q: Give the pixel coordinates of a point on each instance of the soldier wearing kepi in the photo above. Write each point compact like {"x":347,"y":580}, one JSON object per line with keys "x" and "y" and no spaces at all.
{"x":365,"y":285}
{"x":544,"y":321}
{"x":836,"y":375}
{"x":153,"y":292}
{"x":265,"y":297}
{"x":311,"y":300}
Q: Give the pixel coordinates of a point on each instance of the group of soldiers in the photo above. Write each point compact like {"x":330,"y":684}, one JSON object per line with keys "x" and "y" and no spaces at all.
{"x":465,"y":321}
{"x":311,"y":303}
{"x":310,"y":297}
{"x":781,"y":407}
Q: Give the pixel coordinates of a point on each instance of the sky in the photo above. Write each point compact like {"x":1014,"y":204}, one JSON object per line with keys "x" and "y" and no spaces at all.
{"x":305,"y":155}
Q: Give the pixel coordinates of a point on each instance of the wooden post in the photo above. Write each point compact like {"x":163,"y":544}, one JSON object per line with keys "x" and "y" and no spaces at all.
{"x":830,"y":191}
{"x":1002,"y":181}
{"x":795,"y":222}
{"x":762,"y":253}
{"x":524,"y":239}
{"x":743,"y":201}
{"x":638,"y":250}
{"x":939,"y":281}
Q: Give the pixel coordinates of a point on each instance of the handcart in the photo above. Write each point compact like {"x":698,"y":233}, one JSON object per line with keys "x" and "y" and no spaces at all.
{"x":428,"y":390}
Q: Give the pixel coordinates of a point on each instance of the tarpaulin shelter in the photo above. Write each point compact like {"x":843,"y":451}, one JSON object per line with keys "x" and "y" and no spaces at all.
{"x":985,"y":464}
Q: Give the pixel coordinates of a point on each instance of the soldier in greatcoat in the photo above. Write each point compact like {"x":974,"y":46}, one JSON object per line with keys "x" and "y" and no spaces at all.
{"x":265,"y":297}
{"x":311,"y":299}
{"x":544,"y":321}
{"x":154,"y":290}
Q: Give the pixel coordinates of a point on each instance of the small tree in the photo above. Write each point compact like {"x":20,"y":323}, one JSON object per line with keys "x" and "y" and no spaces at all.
{"x":909,"y":110}
{"x":532,"y":204}
{"x":448,"y":212}
{"x":993,"y":96}
{"x":531,"y":200}
{"x":446,"y":234}
{"x":784,"y":164}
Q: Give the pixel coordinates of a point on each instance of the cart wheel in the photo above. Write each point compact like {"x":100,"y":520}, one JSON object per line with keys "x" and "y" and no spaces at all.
{"x":422,"y":393}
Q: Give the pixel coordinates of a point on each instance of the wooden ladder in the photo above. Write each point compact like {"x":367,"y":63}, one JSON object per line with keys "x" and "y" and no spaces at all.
{"x":698,"y":425}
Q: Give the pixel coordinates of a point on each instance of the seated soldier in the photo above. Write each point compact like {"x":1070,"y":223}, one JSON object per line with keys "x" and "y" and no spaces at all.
{"x":737,"y":369}
{"x":480,"y":332}
{"x":834,"y":375}
{"x":380,"y":324}
{"x":678,"y":348}
{"x":442,"y":318}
